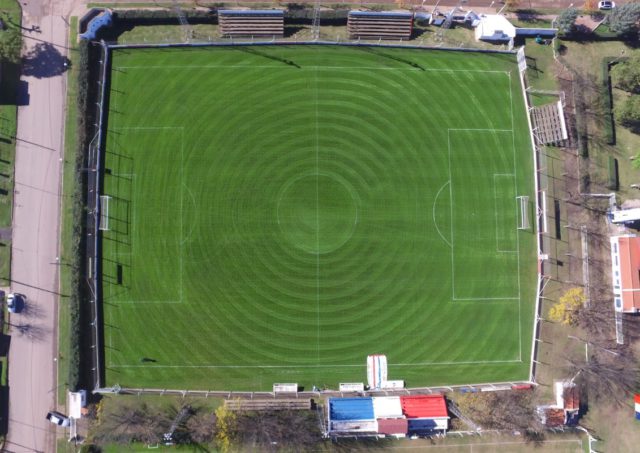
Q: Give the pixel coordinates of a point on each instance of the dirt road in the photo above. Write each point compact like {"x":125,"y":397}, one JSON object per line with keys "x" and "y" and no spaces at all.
{"x":34,"y":269}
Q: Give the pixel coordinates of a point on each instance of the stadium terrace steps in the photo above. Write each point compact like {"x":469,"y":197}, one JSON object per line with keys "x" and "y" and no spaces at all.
{"x":251,"y":22}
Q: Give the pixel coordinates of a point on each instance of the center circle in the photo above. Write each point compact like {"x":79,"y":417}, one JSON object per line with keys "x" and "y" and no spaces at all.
{"x":317,"y":212}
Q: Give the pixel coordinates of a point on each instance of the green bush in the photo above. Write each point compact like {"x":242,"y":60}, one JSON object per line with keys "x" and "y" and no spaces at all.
{"x":612,"y":183}
{"x":628,"y":112}
{"x":581,"y":129}
{"x":79,"y":309}
{"x":607,"y":103}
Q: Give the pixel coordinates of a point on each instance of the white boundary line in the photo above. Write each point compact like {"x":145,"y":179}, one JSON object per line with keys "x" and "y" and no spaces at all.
{"x":478,"y":362}
{"x":317,"y":140}
{"x":287,"y":67}
{"x":515,"y":186}
{"x":450,"y":188}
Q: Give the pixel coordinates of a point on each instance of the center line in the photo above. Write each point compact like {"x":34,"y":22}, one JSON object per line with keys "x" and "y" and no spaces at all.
{"x":317,"y":227}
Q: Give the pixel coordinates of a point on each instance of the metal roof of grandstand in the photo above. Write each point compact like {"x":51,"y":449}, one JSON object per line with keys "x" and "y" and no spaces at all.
{"x":351,"y":409}
{"x":543,"y":32}
{"x":403,"y":14}
{"x":387,"y":407}
{"x":424,"y":406}
{"x":251,"y":12}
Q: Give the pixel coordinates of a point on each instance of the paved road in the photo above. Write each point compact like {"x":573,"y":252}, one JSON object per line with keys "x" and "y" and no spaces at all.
{"x":32,"y":371}
{"x":34,"y":272}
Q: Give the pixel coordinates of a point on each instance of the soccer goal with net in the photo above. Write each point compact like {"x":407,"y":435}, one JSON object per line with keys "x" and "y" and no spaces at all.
{"x":104,"y":212}
{"x":523,"y":218}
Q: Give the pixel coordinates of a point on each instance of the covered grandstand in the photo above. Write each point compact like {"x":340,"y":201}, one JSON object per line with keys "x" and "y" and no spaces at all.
{"x":380,"y":24}
{"x":388,"y":415}
{"x":251,"y":22}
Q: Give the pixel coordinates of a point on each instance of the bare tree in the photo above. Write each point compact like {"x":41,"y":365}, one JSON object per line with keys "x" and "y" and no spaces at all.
{"x":509,"y":410}
{"x":131,"y":423}
{"x":278,"y":430}
{"x":610,"y":373}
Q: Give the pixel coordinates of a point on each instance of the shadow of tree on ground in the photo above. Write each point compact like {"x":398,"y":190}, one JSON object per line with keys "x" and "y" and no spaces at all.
{"x":44,"y":60}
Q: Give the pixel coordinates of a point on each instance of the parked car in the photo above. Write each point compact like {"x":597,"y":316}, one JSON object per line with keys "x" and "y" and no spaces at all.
{"x":15,"y":302}
{"x":58,"y":419}
{"x":604,"y":5}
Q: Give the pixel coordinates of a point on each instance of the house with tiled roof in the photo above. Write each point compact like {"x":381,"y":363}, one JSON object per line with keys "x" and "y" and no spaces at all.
{"x":565,"y":410}
{"x":625,"y":273}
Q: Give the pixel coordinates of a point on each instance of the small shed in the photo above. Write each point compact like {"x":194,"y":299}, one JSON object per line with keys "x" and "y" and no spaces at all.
{"x":494,"y":28}
{"x":77,"y":401}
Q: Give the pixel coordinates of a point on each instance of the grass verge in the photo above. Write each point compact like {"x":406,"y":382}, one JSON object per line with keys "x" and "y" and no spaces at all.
{"x":69,"y":187}
{"x":10,"y":76}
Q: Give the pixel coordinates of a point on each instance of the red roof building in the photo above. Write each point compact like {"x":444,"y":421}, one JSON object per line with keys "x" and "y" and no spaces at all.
{"x":566,"y":409}
{"x":625,"y":272}
{"x":553,"y":417}
{"x":393,"y":426}
{"x":424,"y":406}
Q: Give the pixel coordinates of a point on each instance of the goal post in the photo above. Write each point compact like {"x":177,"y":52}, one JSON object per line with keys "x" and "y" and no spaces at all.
{"x":523,"y":207}
{"x":104,"y":212}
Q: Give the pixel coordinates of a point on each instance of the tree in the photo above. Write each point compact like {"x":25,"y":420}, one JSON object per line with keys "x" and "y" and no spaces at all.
{"x":282,"y":430}
{"x":624,"y":19}
{"x":626,"y":74}
{"x":565,"y":311}
{"x":609,"y":374}
{"x":10,"y":45}
{"x":567,"y":21}
{"x":199,"y":428}
{"x":510,"y":410}
{"x":628,"y":112}
{"x":130,"y":423}
{"x":226,"y":421}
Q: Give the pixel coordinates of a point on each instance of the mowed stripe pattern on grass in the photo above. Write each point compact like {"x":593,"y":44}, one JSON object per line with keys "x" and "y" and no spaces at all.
{"x":281,"y":212}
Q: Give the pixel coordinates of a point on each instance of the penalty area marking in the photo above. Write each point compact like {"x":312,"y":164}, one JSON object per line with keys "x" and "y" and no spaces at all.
{"x":181,"y":242}
{"x":469,"y":299}
{"x":433,"y":212}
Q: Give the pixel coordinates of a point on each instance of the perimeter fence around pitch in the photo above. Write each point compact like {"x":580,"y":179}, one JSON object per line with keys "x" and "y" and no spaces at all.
{"x":541,"y":185}
{"x":94,"y":170}
{"x":95,"y":159}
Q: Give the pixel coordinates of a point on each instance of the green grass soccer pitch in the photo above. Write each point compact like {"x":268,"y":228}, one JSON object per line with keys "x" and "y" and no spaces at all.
{"x":278,"y":213}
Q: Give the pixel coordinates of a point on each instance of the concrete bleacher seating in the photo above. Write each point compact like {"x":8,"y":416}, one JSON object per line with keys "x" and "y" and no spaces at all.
{"x":268,"y":22}
{"x":268,"y":404}
{"x":380,"y":24}
{"x":549,"y":124}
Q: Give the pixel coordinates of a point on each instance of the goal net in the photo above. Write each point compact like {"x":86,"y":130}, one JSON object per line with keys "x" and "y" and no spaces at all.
{"x":104,"y":212}
{"x":523,"y":218}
